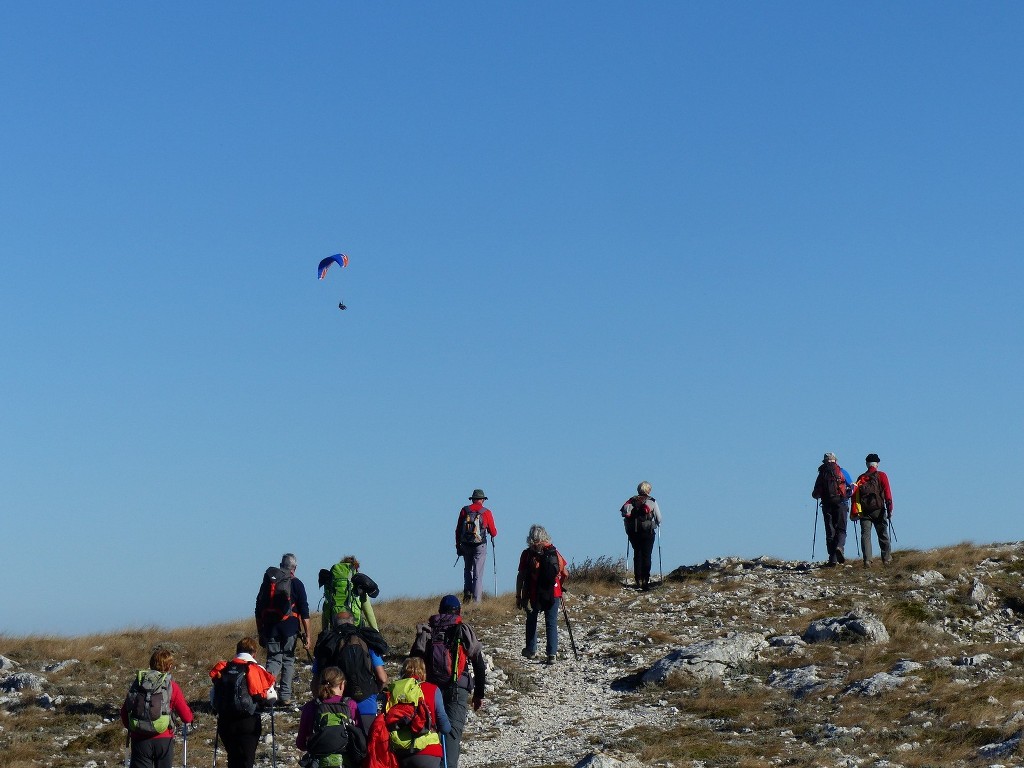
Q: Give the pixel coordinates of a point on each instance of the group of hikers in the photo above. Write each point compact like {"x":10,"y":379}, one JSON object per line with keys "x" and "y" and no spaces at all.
{"x":357,"y":716}
{"x":867,"y":502}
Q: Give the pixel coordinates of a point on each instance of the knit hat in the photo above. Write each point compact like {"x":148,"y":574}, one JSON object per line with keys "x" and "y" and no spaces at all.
{"x":449,"y":604}
{"x":872,"y":458}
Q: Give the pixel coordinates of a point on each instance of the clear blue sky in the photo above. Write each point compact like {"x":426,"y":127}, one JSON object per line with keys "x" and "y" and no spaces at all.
{"x":591,"y":243}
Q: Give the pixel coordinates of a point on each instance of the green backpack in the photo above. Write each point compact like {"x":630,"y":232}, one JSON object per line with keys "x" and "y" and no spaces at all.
{"x":148,"y":703}
{"x":408,"y":719}
{"x":339,"y":595}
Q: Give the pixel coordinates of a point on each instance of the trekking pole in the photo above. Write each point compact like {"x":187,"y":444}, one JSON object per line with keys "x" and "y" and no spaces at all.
{"x":456,"y":560}
{"x":273,"y":739}
{"x":444,"y":751}
{"x":814,"y":540}
{"x":856,"y":524}
{"x":893,"y":531}
{"x":661,"y":573}
{"x":216,"y":738}
{"x":127,"y":748}
{"x":184,"y":745}
{"x":572,"y":639}
{"x":494,"y":565}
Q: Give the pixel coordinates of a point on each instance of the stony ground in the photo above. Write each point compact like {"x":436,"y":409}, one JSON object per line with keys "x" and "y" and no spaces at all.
{"x":758,"y":662}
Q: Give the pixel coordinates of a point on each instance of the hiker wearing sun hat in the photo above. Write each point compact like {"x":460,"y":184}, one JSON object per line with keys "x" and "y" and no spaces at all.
{"x":475,"y":523}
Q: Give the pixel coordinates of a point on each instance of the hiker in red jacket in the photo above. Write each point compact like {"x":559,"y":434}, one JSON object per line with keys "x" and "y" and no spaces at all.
{"x":156,"y":750}
{"x":872,"y":505}
{"x":475,"y":523}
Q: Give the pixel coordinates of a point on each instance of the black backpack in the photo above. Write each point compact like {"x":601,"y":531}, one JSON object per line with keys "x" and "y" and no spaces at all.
{"x":547,"y":576}
{"x":275,"y":597}
{"x":642,"y":514}
{"x":350,"y":653}
{"x":833,"y":482}
{"x":231,"y":697}
{"x":335,"y":734}
{"x":871,"y":497}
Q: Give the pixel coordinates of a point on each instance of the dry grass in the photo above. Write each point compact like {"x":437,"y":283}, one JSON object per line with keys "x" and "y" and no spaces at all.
{"x":739,"y":723}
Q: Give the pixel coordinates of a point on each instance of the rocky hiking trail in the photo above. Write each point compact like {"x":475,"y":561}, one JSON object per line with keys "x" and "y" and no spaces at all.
{"x":574,"y":707}
{"x":733,"y":663}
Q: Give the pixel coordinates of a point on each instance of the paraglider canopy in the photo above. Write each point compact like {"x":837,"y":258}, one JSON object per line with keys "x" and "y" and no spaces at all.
{"x":339,"y":258}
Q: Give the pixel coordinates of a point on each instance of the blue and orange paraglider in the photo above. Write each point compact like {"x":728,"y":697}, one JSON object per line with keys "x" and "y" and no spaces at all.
{"x":321,"y":271}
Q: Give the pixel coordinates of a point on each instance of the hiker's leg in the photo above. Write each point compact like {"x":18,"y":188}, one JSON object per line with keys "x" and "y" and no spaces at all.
{"x":865,"y":537}
{"x":882,"y":527}
{"x":479,"y":567}
{"x":275,"y":658}
{"x":551,"y":627}
{"x":531,"y":628}
{"x":842,"y":515}
{"x":468,"y":579}
{"x":152,"y":753}
{"x":456,"y":704}
{"x":645,"y":546}
{"x":828,"y":514}
{"x":287,"y":668}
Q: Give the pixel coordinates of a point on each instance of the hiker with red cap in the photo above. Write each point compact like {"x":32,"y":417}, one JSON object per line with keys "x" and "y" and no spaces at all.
{"x":475,"y":523}
{"x":454,"y":660}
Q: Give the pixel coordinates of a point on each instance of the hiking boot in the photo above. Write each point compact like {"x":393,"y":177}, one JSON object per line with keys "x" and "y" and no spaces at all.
{"x":829,"y":564}
{"x":529,"y":654}
{"x":550,"y":659}
{"x":840,"y":557}
{"x":867,"y":563}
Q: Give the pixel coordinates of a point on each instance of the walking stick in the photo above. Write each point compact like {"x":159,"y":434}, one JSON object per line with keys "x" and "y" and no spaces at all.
{"x":856,"y":524}
{"x":273,"y":739}
{"x":893,"y":531}
{"x":444,"y":751}
{"x":494,"y":565}
{"x":661,"y":573}
{"x":456,"y":560}
{"x":127,"y":748}
{"x":572,"y":639}
{"x":814,"y":540}
{"x":216,"y":738}
{"x":184,"y":745}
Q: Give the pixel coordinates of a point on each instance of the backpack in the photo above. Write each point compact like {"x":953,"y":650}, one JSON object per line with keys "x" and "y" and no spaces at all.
{"x":472,"y":532}
{"x":642,"y":514}
{"x":834,"y":484}
{"x":547,"y":576}
{"x":231,"y":697}
{"x":350,"y":653}
{"x":871,"y":497}
{"x":275,"y":597}
{"x":339,"y":594}
{"x":445,"y":646}
{"x":148,"y":703}
{"x":410,"y":727}
{"x":335,"y":740}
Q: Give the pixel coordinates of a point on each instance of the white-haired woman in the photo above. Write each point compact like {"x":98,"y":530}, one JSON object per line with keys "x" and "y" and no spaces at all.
{"x":542,"y":569}
{"x":641,"y":516}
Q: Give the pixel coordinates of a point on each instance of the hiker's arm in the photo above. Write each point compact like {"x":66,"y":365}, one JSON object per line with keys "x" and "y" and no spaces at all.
{"x":381,"y":674}
{"x":444,"y":725}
